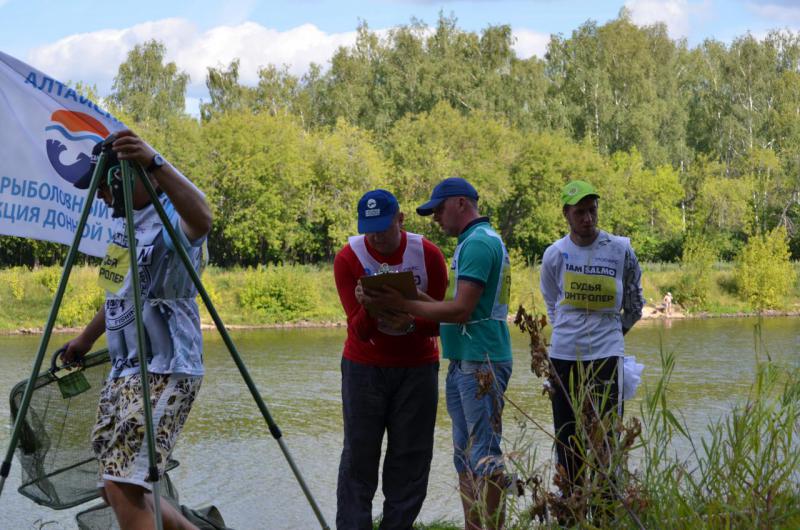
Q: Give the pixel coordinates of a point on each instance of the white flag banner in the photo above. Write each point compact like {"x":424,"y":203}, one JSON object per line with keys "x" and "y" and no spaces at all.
{"x":47,"y":132}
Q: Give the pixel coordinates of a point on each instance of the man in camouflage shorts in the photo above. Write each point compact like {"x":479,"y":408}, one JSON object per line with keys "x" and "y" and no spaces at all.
{"x":172,"y":326}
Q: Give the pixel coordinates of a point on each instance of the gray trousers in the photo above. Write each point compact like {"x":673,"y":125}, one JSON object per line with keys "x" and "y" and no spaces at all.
{"x":401,"y":402}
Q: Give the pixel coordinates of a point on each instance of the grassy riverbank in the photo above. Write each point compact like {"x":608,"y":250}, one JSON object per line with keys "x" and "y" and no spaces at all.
{"x":303,"y":295}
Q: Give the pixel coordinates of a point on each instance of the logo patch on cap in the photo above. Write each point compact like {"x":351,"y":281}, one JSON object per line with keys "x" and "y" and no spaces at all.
{"x":371,"y":203}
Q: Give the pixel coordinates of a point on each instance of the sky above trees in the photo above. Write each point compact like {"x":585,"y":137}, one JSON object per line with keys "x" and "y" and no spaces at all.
{"x":87,"y":41}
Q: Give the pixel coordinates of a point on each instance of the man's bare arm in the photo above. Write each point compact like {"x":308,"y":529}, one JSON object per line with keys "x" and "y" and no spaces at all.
{"x":80,"y":345}
{"x":457,"y":310}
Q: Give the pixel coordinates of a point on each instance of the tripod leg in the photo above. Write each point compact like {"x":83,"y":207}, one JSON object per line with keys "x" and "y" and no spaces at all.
{"x":127,"y":183}
{"x":237,"y":359}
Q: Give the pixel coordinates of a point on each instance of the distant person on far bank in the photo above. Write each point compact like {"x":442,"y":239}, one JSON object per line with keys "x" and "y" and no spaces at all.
{"x":668,"y":304}
{"x":390,"y":367}
{"x":591,"y":284}
{"x":475,"y":338}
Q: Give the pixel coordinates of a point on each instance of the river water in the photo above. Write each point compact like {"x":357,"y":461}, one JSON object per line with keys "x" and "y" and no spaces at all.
{"x":229,"y":459}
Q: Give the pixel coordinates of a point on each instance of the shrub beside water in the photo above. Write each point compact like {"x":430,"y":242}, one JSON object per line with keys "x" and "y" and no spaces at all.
{"x":764,"y":272}
{"x":16,"y":285}
{"x":272,"y":295}
{"x":695,"y":281}
{"x":280,"y":294}
{"x":79,"y":307}
{"x":48,"y":277}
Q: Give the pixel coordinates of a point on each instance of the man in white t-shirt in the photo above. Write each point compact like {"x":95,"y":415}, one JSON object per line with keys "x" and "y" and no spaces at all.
{"x":591,"y":285}
{"x":172,"y":326}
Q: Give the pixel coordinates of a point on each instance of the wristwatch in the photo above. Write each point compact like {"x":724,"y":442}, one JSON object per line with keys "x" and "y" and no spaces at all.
{"x":156,"y":163}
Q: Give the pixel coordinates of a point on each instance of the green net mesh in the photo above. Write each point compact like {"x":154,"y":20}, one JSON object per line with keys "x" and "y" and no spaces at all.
{"x":54,"y":452}
{"x":59,"y":469}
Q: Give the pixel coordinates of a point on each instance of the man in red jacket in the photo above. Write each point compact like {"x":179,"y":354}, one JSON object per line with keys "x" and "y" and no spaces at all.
{"x":390,"y":368}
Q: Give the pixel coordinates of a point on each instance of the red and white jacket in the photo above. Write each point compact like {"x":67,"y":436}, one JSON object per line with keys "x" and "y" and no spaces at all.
{"x":365,"y":342}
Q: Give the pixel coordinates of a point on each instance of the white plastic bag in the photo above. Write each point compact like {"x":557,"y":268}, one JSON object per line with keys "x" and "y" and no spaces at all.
{"x":631,"y":376}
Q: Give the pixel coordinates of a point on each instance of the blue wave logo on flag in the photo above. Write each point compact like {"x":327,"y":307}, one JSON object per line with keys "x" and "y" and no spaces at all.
{"x":71,"y":136}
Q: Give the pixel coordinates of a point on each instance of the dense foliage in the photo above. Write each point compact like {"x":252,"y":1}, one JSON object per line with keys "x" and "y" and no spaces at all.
{"x":764,"y":274}
{"x":700,"y":143}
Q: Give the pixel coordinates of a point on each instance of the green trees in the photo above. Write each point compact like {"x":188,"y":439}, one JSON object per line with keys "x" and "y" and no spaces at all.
{"x":344,"y":164}
{"x":413,"y":68}
{"x":147,"y":88}
{"x":678,"y":140}
{"x":256,"y":168}
{"x":428,"y":147}
{"x":642,"y":203}
{"x":226,"y":94}
{"x":620,"y":85}
{"x":530,"y":216}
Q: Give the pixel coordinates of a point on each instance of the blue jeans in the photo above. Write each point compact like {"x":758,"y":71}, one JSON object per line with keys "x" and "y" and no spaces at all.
{"x":477,"y":422}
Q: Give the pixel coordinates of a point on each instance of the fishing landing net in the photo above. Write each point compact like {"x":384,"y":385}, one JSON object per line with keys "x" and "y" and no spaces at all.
{"x":59,"y":469}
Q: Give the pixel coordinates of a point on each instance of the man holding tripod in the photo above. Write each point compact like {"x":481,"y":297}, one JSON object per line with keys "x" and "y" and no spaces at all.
{"x":172,"y":326}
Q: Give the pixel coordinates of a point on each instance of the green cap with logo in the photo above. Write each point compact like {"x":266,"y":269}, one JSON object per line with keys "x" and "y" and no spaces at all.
{"x":576,"y":190}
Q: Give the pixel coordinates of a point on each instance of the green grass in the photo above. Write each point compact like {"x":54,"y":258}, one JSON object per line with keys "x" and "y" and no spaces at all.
{"x":26,"y":297}
{"x":253,"y":297}
{"x":296,"y":294}
{"x":435,"y":525}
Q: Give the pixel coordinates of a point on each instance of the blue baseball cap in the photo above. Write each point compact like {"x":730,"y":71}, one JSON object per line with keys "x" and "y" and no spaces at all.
{"x":449,"y":187}
{"x":376,"y":209}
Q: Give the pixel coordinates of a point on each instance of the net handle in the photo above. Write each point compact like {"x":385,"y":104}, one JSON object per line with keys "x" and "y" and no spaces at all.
{"x":54,"y":362}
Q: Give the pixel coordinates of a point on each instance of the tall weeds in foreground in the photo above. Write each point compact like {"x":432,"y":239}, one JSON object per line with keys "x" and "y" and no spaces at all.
{"x":743,"y":472}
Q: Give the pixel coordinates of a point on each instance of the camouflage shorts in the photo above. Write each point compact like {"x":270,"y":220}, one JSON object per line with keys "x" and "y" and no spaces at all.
{"x":118,"y":437}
